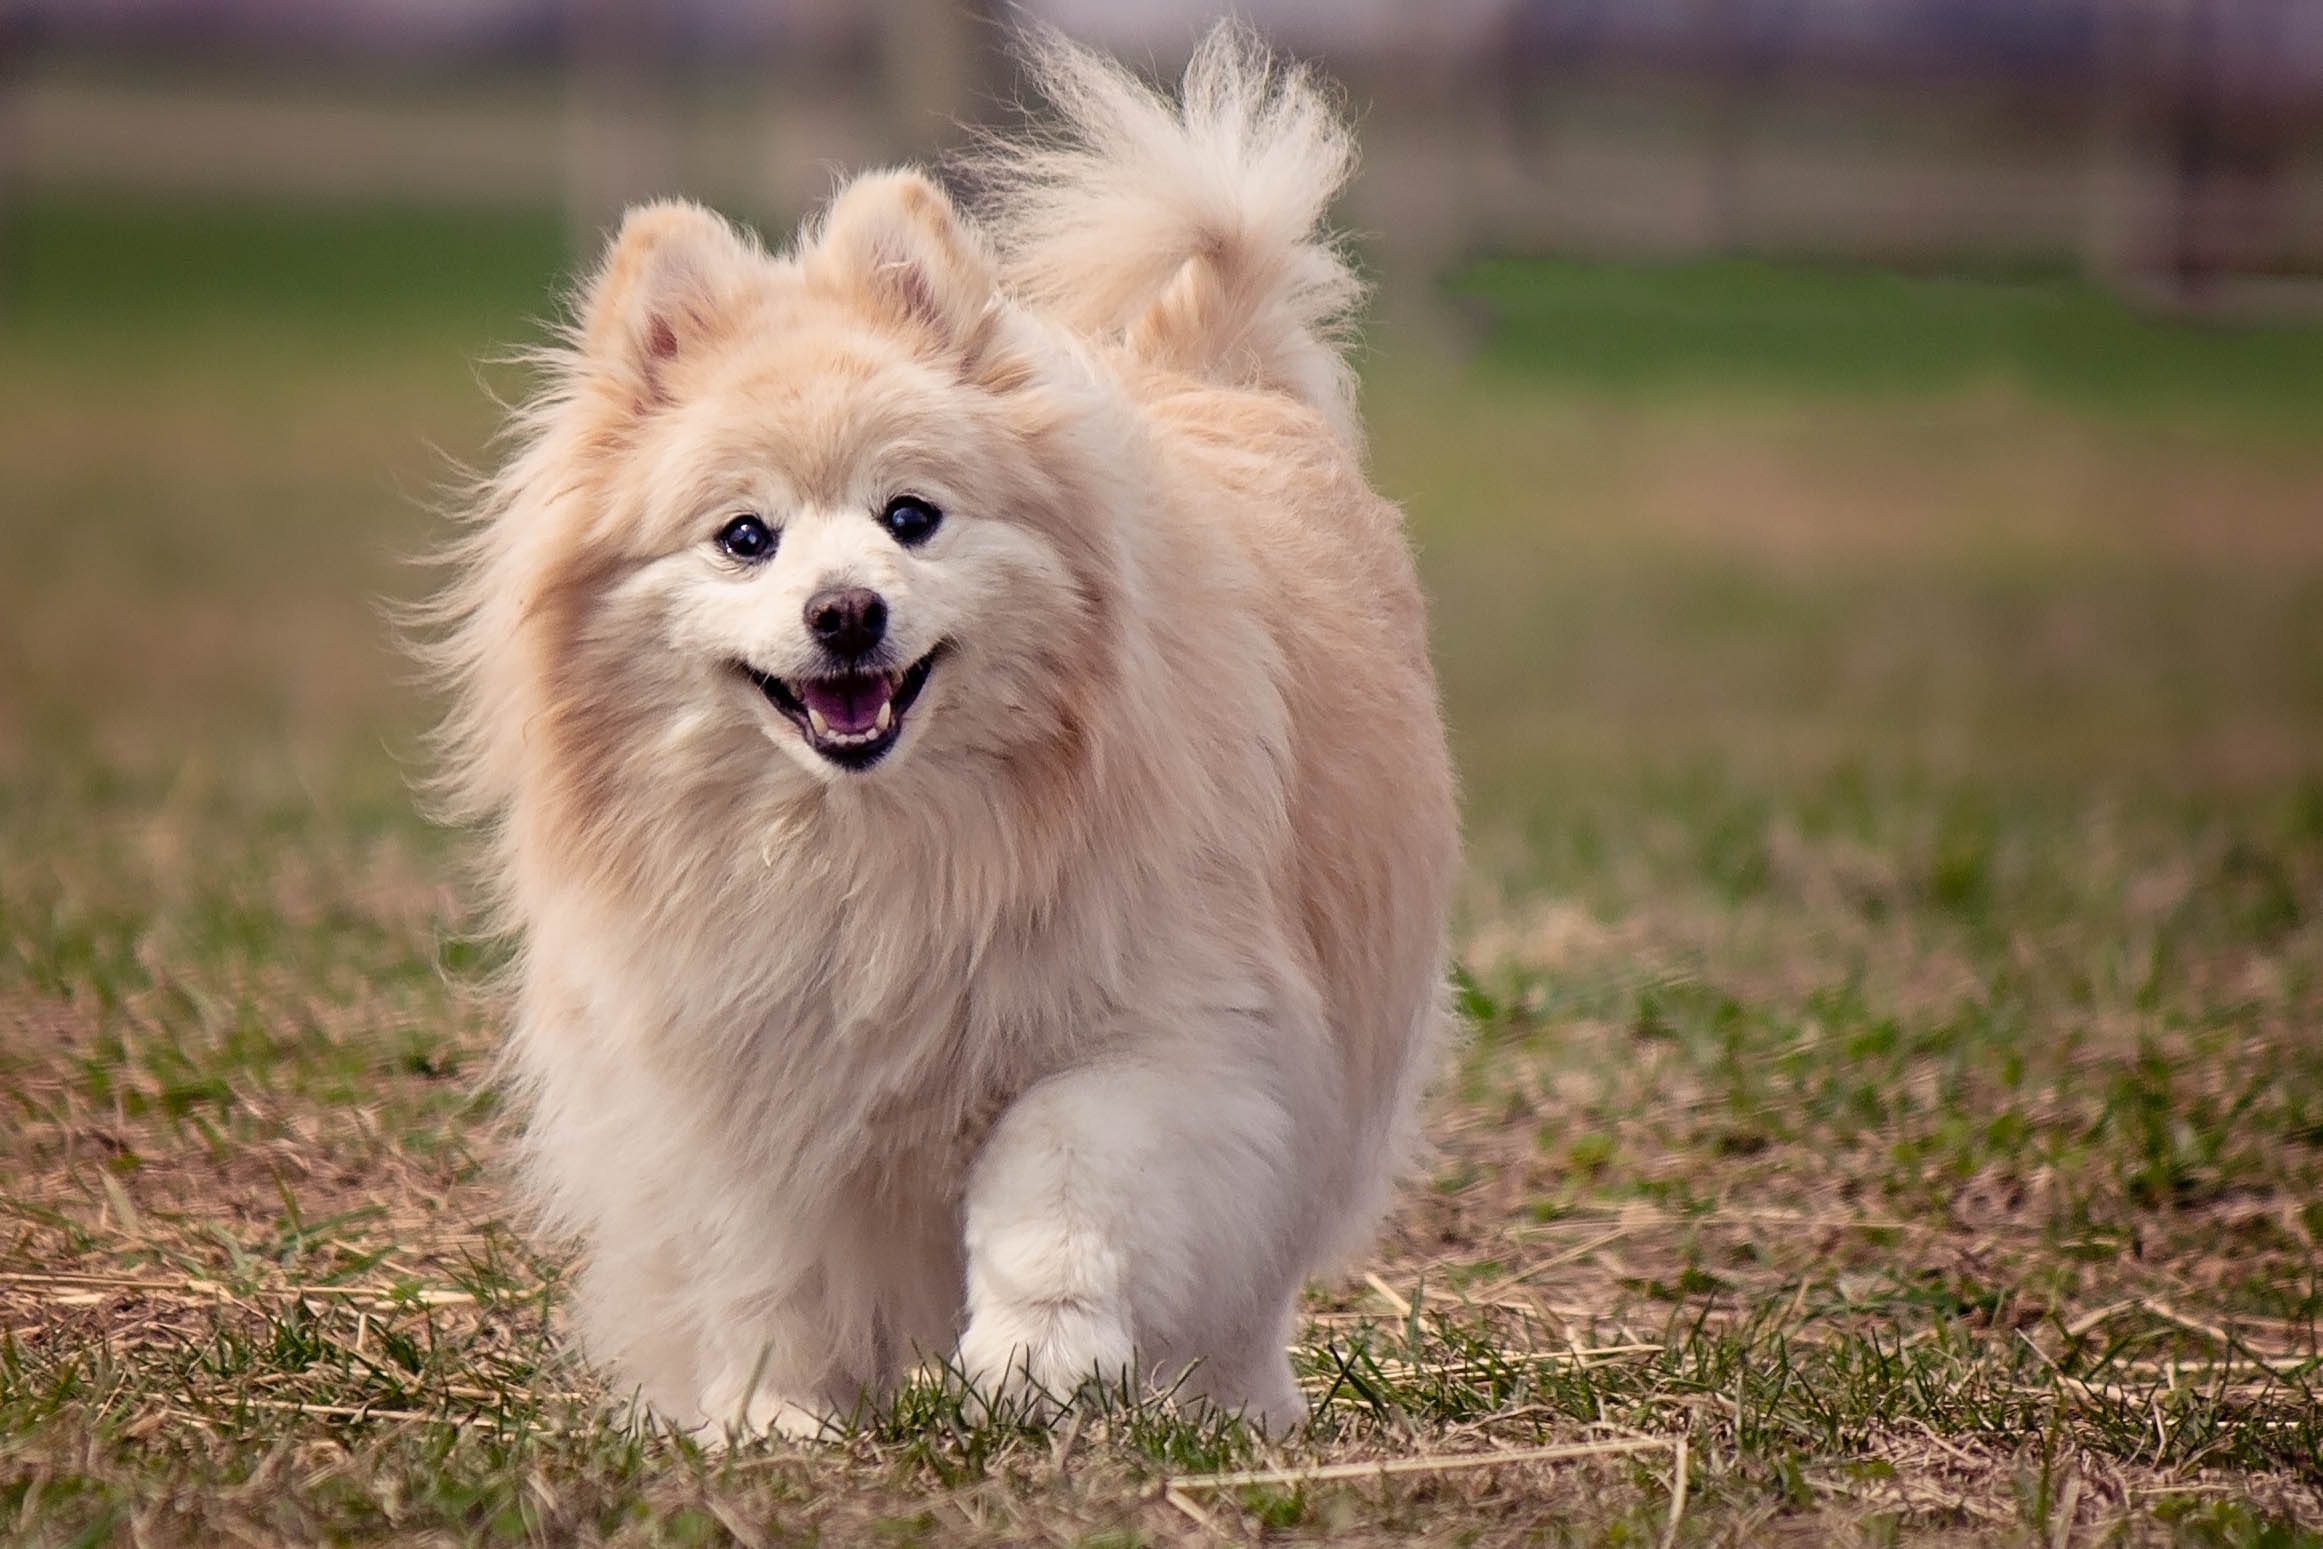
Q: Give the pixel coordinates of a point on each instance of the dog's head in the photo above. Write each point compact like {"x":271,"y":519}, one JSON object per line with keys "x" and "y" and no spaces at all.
{"x":825,"y":517}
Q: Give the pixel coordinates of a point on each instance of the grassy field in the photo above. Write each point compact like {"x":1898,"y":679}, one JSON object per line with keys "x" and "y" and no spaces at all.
{"x":1892,"y":713}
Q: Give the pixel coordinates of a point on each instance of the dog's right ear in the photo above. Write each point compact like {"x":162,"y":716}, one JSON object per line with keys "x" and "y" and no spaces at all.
{"x":676,"y":279}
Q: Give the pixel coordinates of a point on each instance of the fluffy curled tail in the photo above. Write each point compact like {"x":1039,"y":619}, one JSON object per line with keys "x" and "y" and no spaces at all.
{"x":1191,"y":229}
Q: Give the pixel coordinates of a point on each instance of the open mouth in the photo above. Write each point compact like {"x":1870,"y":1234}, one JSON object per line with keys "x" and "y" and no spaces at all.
{"x":851,"y":718}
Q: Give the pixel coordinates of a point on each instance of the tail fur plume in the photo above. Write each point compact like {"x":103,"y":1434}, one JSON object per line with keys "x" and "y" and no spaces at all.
{"x":1191,"y":229}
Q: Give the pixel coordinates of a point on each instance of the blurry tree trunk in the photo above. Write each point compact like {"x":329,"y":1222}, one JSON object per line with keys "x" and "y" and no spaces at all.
{"x":2249,"y":216}
{"x":618,"y":130}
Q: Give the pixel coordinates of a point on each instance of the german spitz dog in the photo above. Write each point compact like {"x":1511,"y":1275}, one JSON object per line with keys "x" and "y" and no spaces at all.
{"x":962,"y":770}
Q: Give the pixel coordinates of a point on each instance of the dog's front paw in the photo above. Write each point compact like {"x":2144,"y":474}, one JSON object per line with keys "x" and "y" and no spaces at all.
{"x":1036,"y":1358}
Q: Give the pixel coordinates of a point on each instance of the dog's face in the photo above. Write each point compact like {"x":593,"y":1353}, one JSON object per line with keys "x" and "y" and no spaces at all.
{"x":843,"y":520}
{"x":846,"y":564}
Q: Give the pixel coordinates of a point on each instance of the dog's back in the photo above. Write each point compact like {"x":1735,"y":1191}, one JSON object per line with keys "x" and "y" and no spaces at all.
{"x":1187,"y":237}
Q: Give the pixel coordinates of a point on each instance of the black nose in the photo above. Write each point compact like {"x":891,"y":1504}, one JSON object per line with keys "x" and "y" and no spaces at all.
{"x":848,"y":620}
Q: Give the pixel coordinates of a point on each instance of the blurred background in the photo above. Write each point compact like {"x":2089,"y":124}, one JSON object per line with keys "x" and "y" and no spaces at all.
{"x":2170,"y":146}
{"x":1930,"y":384}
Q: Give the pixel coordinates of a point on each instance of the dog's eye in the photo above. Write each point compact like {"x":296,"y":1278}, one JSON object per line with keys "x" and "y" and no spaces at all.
{"x":746,"y":538}
{"x":910,"y":520}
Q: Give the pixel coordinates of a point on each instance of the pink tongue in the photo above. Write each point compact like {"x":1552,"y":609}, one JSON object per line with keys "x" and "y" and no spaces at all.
{"x":848,"y":705}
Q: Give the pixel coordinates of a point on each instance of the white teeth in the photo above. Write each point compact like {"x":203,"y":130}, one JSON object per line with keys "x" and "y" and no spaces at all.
{"x":815,"y":719}
{"x":886,"y":715}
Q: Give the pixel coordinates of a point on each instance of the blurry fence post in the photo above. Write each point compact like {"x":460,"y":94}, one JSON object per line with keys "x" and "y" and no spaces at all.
{"x":617,"y":128}
{"x":11,"y":46}
{"x":1732,"y":77}
{"x":2193,"y":126}
{"x":2231,"y":131}
{"x":2195,"y":135}
{"x":940,"y":60}
{"x":2111,"y":195}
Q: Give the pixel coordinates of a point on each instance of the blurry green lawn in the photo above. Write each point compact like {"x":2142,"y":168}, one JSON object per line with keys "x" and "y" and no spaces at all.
{"x":1892,"y":716}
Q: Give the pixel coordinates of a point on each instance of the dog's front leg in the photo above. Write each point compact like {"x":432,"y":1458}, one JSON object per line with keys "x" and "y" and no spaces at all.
{"x":1129,"y":1221}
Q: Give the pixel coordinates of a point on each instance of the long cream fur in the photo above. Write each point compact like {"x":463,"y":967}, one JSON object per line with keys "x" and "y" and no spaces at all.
{"x":1067,"y":1038}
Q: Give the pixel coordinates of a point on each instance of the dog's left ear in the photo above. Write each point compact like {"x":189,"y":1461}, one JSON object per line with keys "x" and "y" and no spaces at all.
{"x":894,"y":239}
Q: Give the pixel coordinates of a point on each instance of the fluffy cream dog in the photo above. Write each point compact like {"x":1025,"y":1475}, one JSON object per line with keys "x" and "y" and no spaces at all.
{"x":964,"y":771}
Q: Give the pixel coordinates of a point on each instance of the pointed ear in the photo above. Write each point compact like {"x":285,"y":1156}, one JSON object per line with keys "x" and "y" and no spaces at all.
{"x":675,"y":280}
{"x":894,"y":239}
